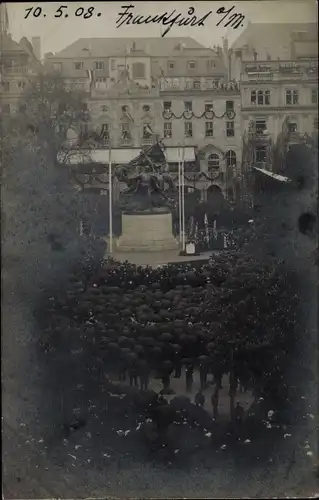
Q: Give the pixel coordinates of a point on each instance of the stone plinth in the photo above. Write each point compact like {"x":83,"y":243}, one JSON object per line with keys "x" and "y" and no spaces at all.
{"x":146,"y":232}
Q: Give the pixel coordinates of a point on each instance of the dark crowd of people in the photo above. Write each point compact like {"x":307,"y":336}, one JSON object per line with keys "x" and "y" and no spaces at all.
{"x":140,"y":322}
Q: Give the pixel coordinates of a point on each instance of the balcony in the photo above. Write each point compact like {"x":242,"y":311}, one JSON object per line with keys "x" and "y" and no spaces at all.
{"x":259,"y":135}
{"x":126,"y":142}
{"x":196,"y":85}
{"x":147,"y":141}
{"x":14,"y":70}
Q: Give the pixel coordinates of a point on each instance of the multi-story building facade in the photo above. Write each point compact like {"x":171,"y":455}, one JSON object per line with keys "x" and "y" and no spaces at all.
{"x":18,"y":62}
{"x":171,"y":89}
{"x":278,"y":70}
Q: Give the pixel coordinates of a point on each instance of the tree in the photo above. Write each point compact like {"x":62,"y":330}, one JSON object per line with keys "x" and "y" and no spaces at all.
{"x":41,"y":207}
{"x":52,"y":110}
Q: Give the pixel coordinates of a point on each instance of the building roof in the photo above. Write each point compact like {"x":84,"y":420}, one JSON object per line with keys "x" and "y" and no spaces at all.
{"x":108,"y":47}
{"x":9,"y":45}
{"x":274,"y":38}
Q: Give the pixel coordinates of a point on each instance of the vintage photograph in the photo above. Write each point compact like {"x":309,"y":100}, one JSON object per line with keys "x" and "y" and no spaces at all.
{"x":159,"y":188}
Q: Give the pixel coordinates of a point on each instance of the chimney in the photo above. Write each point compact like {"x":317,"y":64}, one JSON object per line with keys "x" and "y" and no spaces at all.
{"x":36,"y":43}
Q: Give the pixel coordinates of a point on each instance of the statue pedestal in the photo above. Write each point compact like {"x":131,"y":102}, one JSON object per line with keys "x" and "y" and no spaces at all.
{"x":146,"y":232}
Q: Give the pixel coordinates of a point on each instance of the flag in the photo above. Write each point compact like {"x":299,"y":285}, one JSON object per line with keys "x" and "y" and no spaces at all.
{"x":148,"y":129}
{"x":90,"y":76}
{"x":163,"y":75}
{"x":129,"y":116}
{"x":150,"y":156}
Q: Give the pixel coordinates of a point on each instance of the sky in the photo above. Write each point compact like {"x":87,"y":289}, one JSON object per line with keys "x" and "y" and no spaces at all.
{"x":58,"y":33}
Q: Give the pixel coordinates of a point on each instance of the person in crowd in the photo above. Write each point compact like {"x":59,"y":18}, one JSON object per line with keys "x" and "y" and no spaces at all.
{"x":133,"y":372}
{"x":200,"y":398}
{"x":214,"y":401}
{"x":189,"y":377}
{"x":144,"y":376}
{"x":203,"y":369}
{"x":239,"y":416}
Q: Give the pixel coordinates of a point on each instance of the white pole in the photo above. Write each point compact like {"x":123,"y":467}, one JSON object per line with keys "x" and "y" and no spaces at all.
{"x":179,"y":198}
{"x":183,"y":200}
{"x":110,"y":201}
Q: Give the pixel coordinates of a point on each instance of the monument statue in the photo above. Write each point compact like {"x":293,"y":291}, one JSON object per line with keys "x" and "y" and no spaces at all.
{"x":149,"y":189}
{"x":146,"y":205}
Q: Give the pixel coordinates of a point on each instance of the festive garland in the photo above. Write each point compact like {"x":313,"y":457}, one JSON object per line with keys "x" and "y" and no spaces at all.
{"x":188,"y":115}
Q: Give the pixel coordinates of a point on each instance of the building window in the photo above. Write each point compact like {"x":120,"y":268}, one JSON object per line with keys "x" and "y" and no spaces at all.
{"x":105,"y":132}
{"x":167,"y":105}
{"x":146,"y":108}
{"x":191,"y":64}
{"x":188,"y":129}
{"x":112,"y":64}
{"x":188,"y":106}
{"x":315,"y":123}
{"x":230,"y":129}
{"x":138,"y":70}
{"x":292,"y":97}
{"x":253,"y":97}
{"x":196,"y":84}
{"x":167,"y":130}
{"x":170,"y":64}
{"x":261,"y":126}
{"x":99,"y":65}
{"x":213,"y":162}
{"x":230,"y":158}
{"x":229,"y":106}
{"x":261,"y":154}
{"x":314,"y":96}
{"x":208,"y":107}
{"x":57,"y":66}
{"x":21,"y":85}
{"x":126,"y":133}
{"x":6,"y":86}
{"x":267,"y":97}
{"x":260,"y":99}
{"x":78,"y":65}
{"x":209,"y":129}
{"x":210,"y":64}
{"x":104,"y":109}
{"x":292,"y":127}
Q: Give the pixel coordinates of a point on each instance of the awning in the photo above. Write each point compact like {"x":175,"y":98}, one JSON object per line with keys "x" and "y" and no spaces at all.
{"x":277,"y":177}
{"x":174,"y":155}
{"x":119,"y":156}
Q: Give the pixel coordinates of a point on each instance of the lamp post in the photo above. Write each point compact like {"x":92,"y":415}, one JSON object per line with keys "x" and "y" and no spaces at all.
{"x":183,"y":199}
{"x":179,"y":198}
{"x":110,"y":200}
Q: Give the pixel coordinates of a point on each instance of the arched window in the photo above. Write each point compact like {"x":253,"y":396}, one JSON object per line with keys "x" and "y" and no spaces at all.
{"x":138,"y":70}
{"x":230,"y":158}
{"x":213,"y":162}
